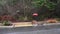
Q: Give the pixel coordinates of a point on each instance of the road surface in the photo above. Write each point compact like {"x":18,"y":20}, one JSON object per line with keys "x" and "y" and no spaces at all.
{"x":49,"y":29}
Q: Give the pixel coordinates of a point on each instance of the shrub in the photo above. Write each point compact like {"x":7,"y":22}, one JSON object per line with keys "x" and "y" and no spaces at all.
{"x":52,"y":21}
{"x":7,"y":23}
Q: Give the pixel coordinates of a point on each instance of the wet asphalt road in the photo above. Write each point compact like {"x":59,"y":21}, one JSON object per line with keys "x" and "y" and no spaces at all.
{"x":51,"y":29}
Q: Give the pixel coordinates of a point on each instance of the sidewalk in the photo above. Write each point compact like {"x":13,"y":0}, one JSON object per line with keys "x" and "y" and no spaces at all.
{"x":18,"y":24}
{"x":25,"y":24}
{"x":22,"y":24}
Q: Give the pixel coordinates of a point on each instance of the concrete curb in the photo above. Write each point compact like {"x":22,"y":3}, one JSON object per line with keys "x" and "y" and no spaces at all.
{"x":26,"y":25}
